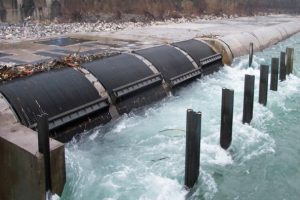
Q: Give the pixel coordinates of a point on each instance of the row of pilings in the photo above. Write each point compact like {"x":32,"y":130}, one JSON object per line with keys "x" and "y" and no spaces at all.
{"x":280,"y":68}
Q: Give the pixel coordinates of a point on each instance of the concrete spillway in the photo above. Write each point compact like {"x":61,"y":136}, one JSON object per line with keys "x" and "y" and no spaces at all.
{"x":76,"y":99}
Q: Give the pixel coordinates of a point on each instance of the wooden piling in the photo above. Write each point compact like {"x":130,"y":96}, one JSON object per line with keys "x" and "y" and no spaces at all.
{"x":282,"y":75}
{"x":274,"y":74}
{"x":248,"y":98}
{"x":44,"y":147}
{"x":251,"y":54}
{"x":263,"y":84}
{"x":226,"y":118}
{"x":192,"y":153}
{"x":289,"y":60}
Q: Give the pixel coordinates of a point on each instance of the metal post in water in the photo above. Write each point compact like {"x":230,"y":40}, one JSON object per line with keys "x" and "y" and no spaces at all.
{"x":274,"y":74}
{"x":289,"y":60}
{"x":248,"y":98}
{"x":226,"y":118}
{"x":251,"y":54}
{"x":192,"y":153}
{"x":263,"y":84}
{"x":44,"y":147}
{"x":282,"y":75}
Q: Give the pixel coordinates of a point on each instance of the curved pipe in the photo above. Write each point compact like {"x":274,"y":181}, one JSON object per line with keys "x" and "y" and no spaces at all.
{"x":236,"y":45}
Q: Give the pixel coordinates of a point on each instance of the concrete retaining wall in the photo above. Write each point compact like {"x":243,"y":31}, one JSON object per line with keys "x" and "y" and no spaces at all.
{"x":22,"y":166}
{"x":236,"y":45}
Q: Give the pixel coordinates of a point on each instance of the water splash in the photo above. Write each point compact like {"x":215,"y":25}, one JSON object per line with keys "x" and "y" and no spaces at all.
{"x":133,"y":159}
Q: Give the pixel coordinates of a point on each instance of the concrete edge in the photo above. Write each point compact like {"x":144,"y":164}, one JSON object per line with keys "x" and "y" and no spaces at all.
{"x":19,"y":153}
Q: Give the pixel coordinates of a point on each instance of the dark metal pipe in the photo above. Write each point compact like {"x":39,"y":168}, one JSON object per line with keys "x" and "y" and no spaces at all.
{"x":226,"y":118}
{"x":274,"y":74}
{"x":282,"y":75}
{"x":289,"y":60}
{"x":44,"y":147}
{"x":263,"y":84}
{"x":251,"y":54}
{"x":192,"y":153}
{"x":248,"y":98}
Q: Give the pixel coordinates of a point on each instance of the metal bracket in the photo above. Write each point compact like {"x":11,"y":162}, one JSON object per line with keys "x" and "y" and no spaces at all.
{"x":186,"y":76}
{"x":147,"y":62}
{"x":92,"y":79}
{"x":187,"y":55}
{"x":137,"y":85}
{"x":75,"y":113}
{"x":210,"y":59}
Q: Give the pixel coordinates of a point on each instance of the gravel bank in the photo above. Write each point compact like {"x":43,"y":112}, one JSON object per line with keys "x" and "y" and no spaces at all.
{"x":33,"y":30}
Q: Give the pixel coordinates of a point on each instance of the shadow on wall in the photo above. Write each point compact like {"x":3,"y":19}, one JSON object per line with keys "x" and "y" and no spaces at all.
{"x":16,"y":11}
{"x":56,"y":9}
{"x":2,"y":12}
{"x":27,"y":8}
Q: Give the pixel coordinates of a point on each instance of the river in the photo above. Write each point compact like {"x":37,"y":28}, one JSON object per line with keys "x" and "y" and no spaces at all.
{"x":141,"y":155}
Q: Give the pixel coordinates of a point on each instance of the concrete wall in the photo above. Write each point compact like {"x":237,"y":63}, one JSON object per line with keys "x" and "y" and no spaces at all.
{"x":18,"y":10}
{"x":21,"y":165}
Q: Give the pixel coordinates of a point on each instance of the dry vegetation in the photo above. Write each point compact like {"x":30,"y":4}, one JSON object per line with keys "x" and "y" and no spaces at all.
{"x":159,"y":9}
{"x":77,"y":10}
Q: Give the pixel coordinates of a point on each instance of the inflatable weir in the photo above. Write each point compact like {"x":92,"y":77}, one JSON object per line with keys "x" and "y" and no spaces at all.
{"x":76,"y":99}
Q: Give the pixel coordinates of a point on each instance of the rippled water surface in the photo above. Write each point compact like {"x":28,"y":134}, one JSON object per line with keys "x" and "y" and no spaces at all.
{"x":137,"y":157}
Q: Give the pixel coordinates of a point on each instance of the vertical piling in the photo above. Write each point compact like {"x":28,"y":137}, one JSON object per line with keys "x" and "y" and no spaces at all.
{"x":192,"y":153}
{"x":250,"y":54}
{"x":289,"y":60}
{"x":263,"y":84}
{"x":274,"y":74}
{"x":282,"y":75}
{"x":248,"y":98}
{"x":226,"y":118}
{"x":44,"y":147}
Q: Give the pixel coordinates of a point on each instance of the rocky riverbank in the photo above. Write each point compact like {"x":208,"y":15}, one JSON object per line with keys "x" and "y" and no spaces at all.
{"x":31,"y":30}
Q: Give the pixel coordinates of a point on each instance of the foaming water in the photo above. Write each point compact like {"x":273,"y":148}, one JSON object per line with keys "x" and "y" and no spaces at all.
{"x":141,"y":155}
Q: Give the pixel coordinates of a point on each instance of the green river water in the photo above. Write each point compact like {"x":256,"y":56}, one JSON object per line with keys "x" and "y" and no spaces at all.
{"x":131,"y":159}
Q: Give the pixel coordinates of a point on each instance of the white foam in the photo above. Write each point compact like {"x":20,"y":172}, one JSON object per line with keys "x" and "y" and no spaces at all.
{"x":162,"y":188}
{"x":212,"y":188}
{"x":55,"y":197}
{"x":206,"y":187}
{"x":214,"y":154}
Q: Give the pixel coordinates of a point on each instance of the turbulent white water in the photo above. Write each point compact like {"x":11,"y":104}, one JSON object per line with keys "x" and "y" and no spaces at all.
{"x":141,"y":156}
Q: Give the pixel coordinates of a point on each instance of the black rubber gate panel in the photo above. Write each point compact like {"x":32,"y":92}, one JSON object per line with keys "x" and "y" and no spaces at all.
{"x":211,"y":64}
{"x":175,"y":67}
{"x":129,"y":81}
{"x":201,"y":51}
{"x":196,"y":49}
{"x":64,"y":94}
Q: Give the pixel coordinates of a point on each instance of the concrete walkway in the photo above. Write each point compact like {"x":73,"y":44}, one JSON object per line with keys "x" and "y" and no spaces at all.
{"x":32,"y":51}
